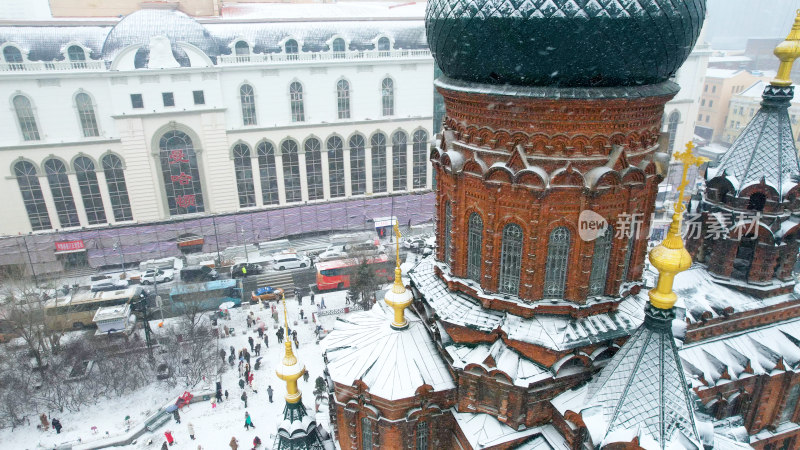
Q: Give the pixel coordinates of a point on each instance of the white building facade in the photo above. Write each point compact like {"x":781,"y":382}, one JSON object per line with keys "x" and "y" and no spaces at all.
{"x":160,"y":116}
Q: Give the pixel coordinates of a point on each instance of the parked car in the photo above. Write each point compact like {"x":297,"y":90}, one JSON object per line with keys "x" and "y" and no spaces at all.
{"x":332,"y":253}
{"x":198,"y":273}
{"x":250,"y":269}
{"x":283,"y":261}
{"x":364,"y":248}
{"x":414,"y":243}
{"x":107,"y":283}
{"x":157,"y":276}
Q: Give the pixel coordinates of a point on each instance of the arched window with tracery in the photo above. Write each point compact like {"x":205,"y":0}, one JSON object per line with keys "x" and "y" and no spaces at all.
{"x":26,"y":118}
{"x":291,"y":171}
{"x":387,"y":96}
{"x":292,"y":49}
{"x":448,"y":229}
{"x":117,"y":188}
{"x":628,"y":254}
{"x":343,"y":99}
{"x":336,"y":166}
{"x":474,"y":247}
{"x":600,"y":260}
{"x":378,"y":143}
{"x":358,"y":165}
{"x":86,"y":115}
{"x":77,"y":57}
{"x":242,"y":51}
{"x":419,"y":161}
{"x":399,"y":160}
{"x":384,"y":44}
{"x":422,"y":435}
{"x":510,"y":259}
{"x":243,"y":167}
{"x":90,"y":190}
{"x":56,"y":173}
{"x":268,"y":173}
{"x":13,"y":57}
{"x":32,"y":196}
{"x":296,"y":102}
{"x":313,"y":149}
{"x":248,"y":100}
{"x":181,"y":173}
{"x":366,"y":433}
{"x":555,"y":276}
{"x":672,"y":128}
{"x":338,"y":48}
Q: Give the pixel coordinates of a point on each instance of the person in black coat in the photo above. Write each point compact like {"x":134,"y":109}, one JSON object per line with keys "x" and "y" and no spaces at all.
{"x":57,"y":425}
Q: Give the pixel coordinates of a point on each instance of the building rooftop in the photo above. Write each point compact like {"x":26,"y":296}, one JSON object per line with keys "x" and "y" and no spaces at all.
{"x":721,"y":73}
{"x":484,"y":430}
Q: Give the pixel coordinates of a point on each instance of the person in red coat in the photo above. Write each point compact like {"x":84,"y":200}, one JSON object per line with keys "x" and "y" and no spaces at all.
{"x":170,"y":439}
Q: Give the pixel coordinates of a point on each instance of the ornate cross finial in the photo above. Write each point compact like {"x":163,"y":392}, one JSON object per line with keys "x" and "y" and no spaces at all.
{"x":687,"y":158}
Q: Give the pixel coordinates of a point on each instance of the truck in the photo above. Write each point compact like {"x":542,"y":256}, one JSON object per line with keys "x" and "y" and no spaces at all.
{"x":205,"y":296}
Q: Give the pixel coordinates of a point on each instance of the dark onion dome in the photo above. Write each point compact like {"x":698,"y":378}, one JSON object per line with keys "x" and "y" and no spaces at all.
{"x":567,"y":43}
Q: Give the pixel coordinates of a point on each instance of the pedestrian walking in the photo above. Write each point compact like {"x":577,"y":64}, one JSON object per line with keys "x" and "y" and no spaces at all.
{"x":241,"y":383}
{"x":279,"y":336}
{"x":244,"y":398}
{"x":260,"y":332}
{"x":305,"y":375}
{"x":296,"y":343}
{"x":170,"y":439}
{"x":247,"y":357}
{"x":226,"y":394}
{"x":222,"y":355}
{"x":256,"y":442}
{"x":258,"y":349}
{"x":233,"y":350}
{"x":250,"y":341}
{"x":234,"y":444}
{"x":312,"y":297}
{"x":250,"y":379}
{"x":248,"y":321}
{"x":45,"y":422}
{"x":57,"y":425}
{"x":322,"y":302}
{"x":294,"y":334}
{"x":248,"y":422}
{"x":218,"y":396}
{"x":269,"y":392}
{"x":164,"y":446}
{"x":230,"y":359}
{"x":190,"y":427}
{"x":266,"y":340}
{"x":177,"y":416}
{"x":301,"y":314}
{"x":213,"y":403}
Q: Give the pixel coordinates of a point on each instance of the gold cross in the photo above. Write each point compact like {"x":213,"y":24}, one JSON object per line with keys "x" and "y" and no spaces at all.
{"x":687,"y":158}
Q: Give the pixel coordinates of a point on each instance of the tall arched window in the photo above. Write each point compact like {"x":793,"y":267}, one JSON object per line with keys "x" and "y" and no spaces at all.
{"x":296,"y":102}
{"x":90,"y":190}
{"x":13,"y":57}
{"x":555,"y":276}
{"x":628,"y":254}
{"x":244,"y":175}
{"x":313,"y":149}
{"x":62,"y":193}
{"x":399,"y":170}
{"x":366,"y":433}
{"x":387,"y":96}
{"x":291,"y":171}
{"x":86,"y":115}
{"x":510,"y":259}
{"x":248,"y":99}
{"x":422,"y":436}
{"x":672,"y":128}
{"x":117,"y":189}
{"x":268,"y":173}
{"x":338,"y":48}
{"x":27,"y":121}
{"x":292,"y":49}
{"x":242,"y":51}
{"x":32,"y":196}
{"x":378,"y":143}
{"x":384,"y":44}
{"x":343,"y":99}
{"x":420,"y":162}
{"x":336,"y":166}
{"x":448,"y":232}
{"x":181,"y":173}
{"x":77,"y":57}
{"x":474,"y":247}
{"x":600,"y":260}
{"x":358,"y":165}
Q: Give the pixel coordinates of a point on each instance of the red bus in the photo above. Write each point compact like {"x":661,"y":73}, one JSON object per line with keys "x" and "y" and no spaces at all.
{"x":336,"y":274}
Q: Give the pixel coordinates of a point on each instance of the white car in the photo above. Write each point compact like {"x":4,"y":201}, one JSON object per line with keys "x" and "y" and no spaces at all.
{"x":157,"y":276}
{"x":107,"y":283}
{"x":331,"y":254}
{"x":283,"y":261}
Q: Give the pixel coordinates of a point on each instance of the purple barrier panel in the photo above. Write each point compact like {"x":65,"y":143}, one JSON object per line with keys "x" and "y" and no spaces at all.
{"x":308,"y":216}
{"x":338,"y":218}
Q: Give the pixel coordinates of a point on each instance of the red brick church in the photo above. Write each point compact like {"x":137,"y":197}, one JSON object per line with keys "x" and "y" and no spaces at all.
{"x":529,"y":328}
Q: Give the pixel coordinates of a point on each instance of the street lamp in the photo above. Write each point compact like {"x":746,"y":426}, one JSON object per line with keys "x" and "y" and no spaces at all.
{"x":118,"y":247}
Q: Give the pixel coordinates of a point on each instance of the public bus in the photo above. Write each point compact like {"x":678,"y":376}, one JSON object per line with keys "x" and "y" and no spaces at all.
{"x":204,"y":296}
{"x":76,"y":310}
{"x":336,"y":274}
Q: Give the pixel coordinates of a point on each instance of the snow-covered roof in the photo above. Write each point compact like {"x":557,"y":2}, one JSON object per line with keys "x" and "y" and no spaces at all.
{"x":484,"y":430}
{"x":498,"y":356}
{"x":721,"y":73}
{"x":393,"y":363}
{"x":365,"y":10}
{"x":753,"y":91}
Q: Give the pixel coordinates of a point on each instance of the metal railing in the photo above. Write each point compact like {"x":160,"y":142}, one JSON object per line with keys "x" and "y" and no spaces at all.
{"x":36,"y":66}
{"x":261,"y":58}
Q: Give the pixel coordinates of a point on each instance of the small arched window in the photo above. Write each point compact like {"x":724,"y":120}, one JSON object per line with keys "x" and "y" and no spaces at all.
{"x":448,"y":230}
{"x":242,"y":48}
{"x":268,"y":173}
{"x":13,"y":57}
{"x":399,"y":161}
{"x":422,"y":436}
{"x":628,"y":254}
{"x":291,"y":171}
{"x":27,"y":121}
{"x":510,"y":259}
{"x":32,"y":196}
{"x":77,"y":57}
{"x":600,"y":260}
{"x":474,"y":247}
{"x":672,"y":128}
{"x":244,"y":175}
{"x":555,"y":277}
{"x":313,"y":150}
{"x":117,"y":189}
{"x":86,"y":115}
{"x":387,"y":96}
{"x":378,"y":144}
{"x":90,"y":190}
{"x":358,"y":166}
{"x":419,"y":162}
{"x":338,"y":48}
{"x":366,"y":433}
{"x":292,"y":49}
{"x":296,"y":102}
{"x":336,"y":166}
{"x":56,"y":173}
{"x":384,"y":44}
{"x":248,"y":99}
{"x":343,"y":99}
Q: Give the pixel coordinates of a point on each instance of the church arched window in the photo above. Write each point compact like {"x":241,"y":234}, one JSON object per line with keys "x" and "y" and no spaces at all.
{"x":474,"y":247}
{"x":510,"y":259}
{"x":555,"y":277}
